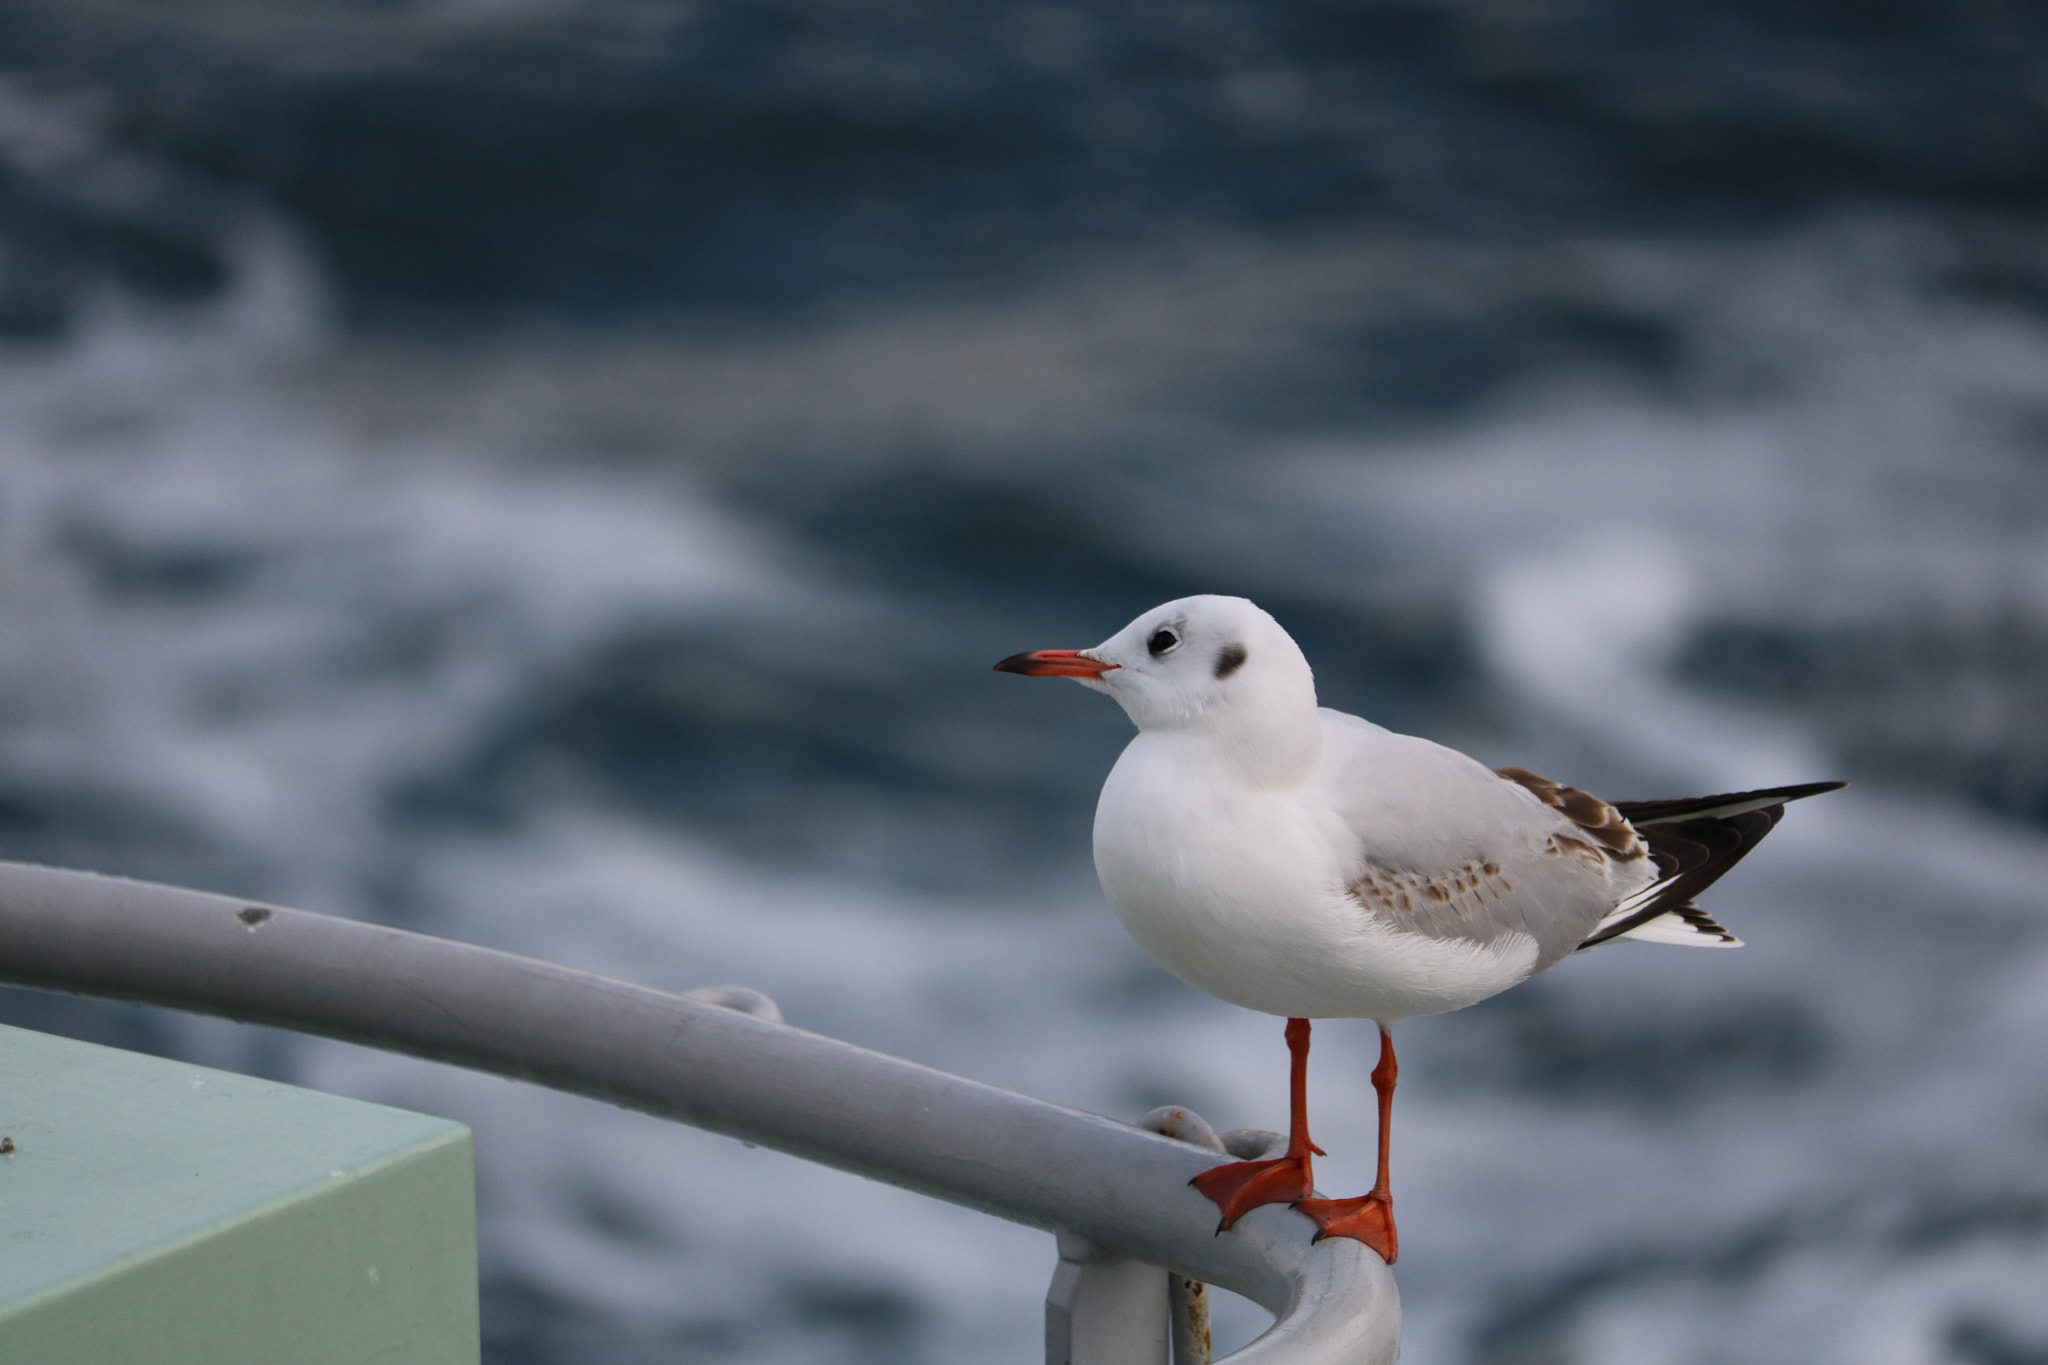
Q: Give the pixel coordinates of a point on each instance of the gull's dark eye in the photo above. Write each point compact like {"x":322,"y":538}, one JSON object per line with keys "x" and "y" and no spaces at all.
{"x":1163,"y":641}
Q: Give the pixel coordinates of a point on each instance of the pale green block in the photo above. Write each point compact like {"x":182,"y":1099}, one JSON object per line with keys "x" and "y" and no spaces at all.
{"x":154,"y":1213}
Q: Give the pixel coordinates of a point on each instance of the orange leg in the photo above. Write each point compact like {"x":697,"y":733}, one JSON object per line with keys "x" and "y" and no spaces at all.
{"x":1370,"y":1217}
{"x":1242,"y":1186}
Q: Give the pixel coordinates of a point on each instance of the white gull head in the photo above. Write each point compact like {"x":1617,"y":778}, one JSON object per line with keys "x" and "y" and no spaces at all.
{"x":1217,"y":668}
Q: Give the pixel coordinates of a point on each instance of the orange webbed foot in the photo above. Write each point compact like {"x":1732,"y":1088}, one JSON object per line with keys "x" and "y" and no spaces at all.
{"x":1368,"y":1219}
{"x":1241,"y":1186}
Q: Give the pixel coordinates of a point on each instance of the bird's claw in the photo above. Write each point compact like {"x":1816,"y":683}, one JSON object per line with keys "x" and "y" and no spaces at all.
{"x":1238,"y":1187}
{"x":1369,"y":1219}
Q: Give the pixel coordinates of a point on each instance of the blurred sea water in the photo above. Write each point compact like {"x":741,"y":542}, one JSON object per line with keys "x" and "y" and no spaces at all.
{"x":556,"y":475}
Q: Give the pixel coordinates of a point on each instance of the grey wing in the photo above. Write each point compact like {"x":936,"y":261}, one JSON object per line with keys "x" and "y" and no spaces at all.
{"x":1452,"y":851}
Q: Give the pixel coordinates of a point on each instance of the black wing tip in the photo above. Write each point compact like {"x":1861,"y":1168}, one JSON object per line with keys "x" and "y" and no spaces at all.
{"x":1806,"y":789}
{"x":1798,"y":791}
{"x":1695,"y":841}
{"x":1640,"y":813}
{"x":1703,"y":923}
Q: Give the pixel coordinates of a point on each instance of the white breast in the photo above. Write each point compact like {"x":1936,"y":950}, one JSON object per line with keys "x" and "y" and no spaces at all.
{"x":1240,"y":891}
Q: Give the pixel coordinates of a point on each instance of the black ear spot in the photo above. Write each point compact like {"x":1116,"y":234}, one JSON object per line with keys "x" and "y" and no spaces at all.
{"x":1229,"y":659}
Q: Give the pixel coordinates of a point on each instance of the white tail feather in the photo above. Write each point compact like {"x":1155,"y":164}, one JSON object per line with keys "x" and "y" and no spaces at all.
{"x":1631,"y":905}
{"x":1671,"y":929}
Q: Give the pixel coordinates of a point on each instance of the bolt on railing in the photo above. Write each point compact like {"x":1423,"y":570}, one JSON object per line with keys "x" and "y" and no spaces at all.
{"x":1133,"y":1237}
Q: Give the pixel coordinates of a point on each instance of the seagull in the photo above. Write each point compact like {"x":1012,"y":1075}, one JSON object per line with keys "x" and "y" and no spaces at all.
{"x":1309,"y":864}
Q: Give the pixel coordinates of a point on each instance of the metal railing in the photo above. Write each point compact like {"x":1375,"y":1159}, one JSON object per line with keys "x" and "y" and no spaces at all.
{"x":1133,"y":1237}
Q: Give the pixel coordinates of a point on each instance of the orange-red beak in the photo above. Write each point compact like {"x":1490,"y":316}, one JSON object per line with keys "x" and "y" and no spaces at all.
{"x":1054,"y":663}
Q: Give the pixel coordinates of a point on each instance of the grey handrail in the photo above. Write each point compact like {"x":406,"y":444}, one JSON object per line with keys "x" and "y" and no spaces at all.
{"x":715,"y":1068}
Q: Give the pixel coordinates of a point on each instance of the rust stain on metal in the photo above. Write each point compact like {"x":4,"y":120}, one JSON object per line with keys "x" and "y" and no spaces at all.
{"x":1192,"y":1335}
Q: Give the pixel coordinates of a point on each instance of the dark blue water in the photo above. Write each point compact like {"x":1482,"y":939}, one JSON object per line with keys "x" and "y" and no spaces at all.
{"x":557,"y":474}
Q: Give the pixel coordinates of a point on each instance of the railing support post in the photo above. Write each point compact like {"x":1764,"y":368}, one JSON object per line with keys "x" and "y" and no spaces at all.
{"x":1104,"y":1309}
{"x":1192,"y":1344}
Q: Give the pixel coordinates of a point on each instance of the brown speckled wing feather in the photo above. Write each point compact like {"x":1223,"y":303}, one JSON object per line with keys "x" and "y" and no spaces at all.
{"x":1468,"y":903}
{"x":1601,"y":823}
